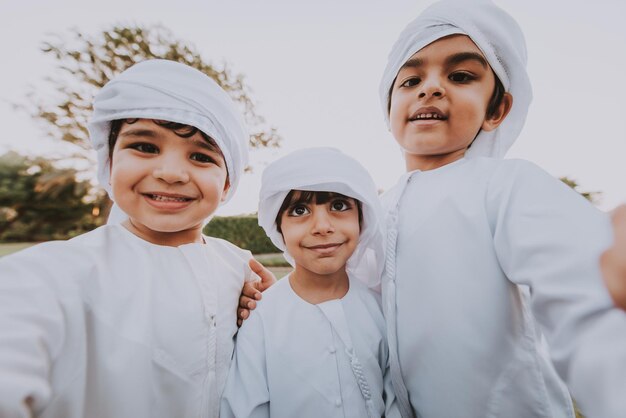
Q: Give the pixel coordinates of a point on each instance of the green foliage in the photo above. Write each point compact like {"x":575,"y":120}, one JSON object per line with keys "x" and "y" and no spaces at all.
{"x":85,"y":63}
{"x":593,"y":197}
{"x":39,"y":201}
{"x":243,"y":231}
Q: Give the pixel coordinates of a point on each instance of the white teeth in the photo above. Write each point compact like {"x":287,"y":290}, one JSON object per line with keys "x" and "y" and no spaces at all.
{"x":429,"y":116}
{"x":168,"y":199}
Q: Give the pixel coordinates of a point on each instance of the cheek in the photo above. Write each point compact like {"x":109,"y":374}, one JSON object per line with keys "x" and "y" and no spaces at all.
{"x":290,"y":236}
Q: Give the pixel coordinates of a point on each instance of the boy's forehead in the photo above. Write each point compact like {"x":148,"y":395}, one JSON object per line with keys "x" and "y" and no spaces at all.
{"x":452,"y":49}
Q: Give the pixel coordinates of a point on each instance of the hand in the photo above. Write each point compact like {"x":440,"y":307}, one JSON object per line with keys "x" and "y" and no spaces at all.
{"x":613,"y":260}
{"x":251,"y":291}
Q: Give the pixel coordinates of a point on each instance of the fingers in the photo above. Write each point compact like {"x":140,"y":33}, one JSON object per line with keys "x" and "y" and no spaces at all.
{"x":267,"y":278}
{"x":619,"y":217}
{"x":246,"y":303}
{"x":242,"y":315}
{"x":250,"y":291}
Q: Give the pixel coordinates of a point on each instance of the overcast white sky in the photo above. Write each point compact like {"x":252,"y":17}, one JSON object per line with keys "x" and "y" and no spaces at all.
{"x":314,"y":68}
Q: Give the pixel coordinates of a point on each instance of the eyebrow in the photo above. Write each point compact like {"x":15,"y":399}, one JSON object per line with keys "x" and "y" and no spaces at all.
{"x":149,"y":133}
{"x":467,"y":56}
{"x":138,"y":132}
{"x":209,"y":146}
{"x":451,"y":60}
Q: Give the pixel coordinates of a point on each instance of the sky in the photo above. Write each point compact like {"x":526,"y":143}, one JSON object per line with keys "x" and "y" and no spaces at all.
{"x":314,"y":69}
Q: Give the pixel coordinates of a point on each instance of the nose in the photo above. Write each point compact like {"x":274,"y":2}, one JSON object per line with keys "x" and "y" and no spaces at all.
{"x":322,"y":222}
{"x":431,"y":87}
{"x":171,"y":171}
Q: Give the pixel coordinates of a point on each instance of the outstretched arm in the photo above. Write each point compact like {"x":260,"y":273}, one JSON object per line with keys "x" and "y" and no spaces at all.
{"x":31,"y":334}
{"x":549,"y":238}
{"x":251,"y":291}
{"x":613,"y":260}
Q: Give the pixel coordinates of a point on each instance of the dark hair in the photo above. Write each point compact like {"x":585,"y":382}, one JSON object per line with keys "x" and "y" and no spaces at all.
{"x":496,"y":97}
{"x":295,"y":197}
{"x":180,"y":129}
{"x":492,"y":107}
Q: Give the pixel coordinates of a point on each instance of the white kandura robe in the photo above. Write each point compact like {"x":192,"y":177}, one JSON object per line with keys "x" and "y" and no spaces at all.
{"x":292,"y":358}
{"x":468,"y":338}
{"x":109,"y":325}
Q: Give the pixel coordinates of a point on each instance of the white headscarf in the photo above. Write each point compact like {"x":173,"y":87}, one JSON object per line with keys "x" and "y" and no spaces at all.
{"x":168,"y":90}
{"x":327,"y":170}
{"x":500,"y":39}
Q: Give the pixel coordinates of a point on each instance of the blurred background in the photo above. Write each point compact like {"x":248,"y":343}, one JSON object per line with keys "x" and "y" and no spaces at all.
{"x":305,"y":74}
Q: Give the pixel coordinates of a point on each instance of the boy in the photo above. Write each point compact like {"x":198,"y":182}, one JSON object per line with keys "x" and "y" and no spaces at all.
{"x":485,"y":254}
{"x":315,"y":346}
{"x":137,"y":319}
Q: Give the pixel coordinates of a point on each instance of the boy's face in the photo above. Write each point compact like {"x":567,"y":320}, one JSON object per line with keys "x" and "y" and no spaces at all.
{"x":321,"y":237}
{"x":166,"y":184}
{"x":439,"y":102}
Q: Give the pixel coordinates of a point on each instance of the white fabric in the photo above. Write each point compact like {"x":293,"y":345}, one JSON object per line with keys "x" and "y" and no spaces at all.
{"x":168,"y":90}
{"x":500,"y":39}
{"x":484,"y":255}
{"x":327,"y":170}
{"x":293,"y":358}
{"x":109,"y":325}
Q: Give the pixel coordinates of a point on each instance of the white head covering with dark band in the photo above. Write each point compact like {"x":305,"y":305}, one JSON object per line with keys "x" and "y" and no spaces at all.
{"x":500,"y":39}
{"x":171,"y":91}
{"x":327,"y":170}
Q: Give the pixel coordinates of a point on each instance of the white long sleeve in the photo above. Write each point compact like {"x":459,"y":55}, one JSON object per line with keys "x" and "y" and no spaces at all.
{"x":491,"y":254}
{"x":107,"y":324}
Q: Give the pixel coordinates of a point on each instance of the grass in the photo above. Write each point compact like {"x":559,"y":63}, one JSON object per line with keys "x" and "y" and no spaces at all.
{"x":272,"y":260}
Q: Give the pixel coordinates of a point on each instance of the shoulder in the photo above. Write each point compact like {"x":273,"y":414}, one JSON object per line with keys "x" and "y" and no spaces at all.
{"x":516,"y":177}
{"x":228,"y":254}
{"x":367,"y":298}
{"x":59,"y":265}
{"x":227,"y":248}
{"x":276,"y":297}
{"x":85,"y":245}
{"x":275,"y":305}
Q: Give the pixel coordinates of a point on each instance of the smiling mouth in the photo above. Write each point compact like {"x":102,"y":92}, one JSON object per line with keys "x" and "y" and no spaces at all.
{"x":167,"y":198}
{"x":325,"y":249}
{"x":324,"y":246}
{"x":428,"y":116}
{"x":430,"y":113}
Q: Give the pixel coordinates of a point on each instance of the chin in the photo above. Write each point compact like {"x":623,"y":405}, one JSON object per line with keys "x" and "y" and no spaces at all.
{"x":169,"y":227}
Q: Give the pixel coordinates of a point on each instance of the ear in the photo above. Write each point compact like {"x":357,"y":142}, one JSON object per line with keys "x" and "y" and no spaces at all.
{"x":226,"y":189}
{"x":493,"y":121}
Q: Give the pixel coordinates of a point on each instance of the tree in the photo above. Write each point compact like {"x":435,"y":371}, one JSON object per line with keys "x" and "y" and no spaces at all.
{"x":40,"y":201}
{"x":590,"y":196}
{"x":85,"y":64}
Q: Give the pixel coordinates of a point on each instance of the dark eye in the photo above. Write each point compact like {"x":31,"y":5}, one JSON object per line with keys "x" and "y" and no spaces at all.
{"x":298,"y":210}
{"x":461,"y":77}
{"x":411,"y":82}
{"x":340,"y":205}
{"x":201,"y":158}
{"x":145,"y":147}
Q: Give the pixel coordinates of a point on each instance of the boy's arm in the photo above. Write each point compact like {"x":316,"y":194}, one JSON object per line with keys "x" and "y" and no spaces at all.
{"x":31,"y":332}
{"x":246,"y":393}
{"x":251,"y":291}
{"x":613,"y":261}
{"x":549,"y":238}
